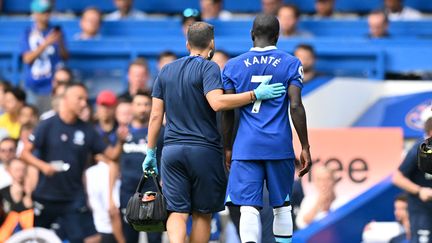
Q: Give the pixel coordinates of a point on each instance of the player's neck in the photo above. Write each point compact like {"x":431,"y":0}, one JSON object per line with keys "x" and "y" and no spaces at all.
{"x":199,"y":53}
{"x":263,"y":43}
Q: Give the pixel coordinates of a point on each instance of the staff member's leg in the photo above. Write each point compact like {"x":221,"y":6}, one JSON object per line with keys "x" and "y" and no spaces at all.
{"x":177,"y":191}
{"x":209,"y":181}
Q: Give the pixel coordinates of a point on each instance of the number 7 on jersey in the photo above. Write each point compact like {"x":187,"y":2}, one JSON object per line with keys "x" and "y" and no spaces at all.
{"x":259,"y":79}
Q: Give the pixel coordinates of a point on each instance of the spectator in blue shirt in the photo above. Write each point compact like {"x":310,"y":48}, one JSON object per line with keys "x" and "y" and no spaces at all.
{"x":124,"y":11}
{"x":90,"y":24}
{"x":43,"y":50}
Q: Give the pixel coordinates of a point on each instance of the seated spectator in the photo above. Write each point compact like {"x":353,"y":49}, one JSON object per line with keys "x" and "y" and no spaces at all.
{"x":14,"y":100}
{"x":395,"y":10}
{"x":220,"y":58}
{"x":43,"y":51}
{"x":190,"y":16}
{"x":18,"y":209}
{"x":8,"y":147}
{"x":288,"y":16}
{"x":165,"y":58}
{"x":402,"y":217}
{"x":324,"y":8}
{"x":138,"y":78}
{"x":270,"y":6}
{"x":306,"y":54}
{"x":124,"y":11}
{"x":28,"y":114}
{"x":90,"y":24}
{"x":62,"y":75}
{"x":212,"y":9}
{"x":378,"y":25}
{"x":323,"y":200}
{"x":392,"y":232}
{"x":4,"y":85}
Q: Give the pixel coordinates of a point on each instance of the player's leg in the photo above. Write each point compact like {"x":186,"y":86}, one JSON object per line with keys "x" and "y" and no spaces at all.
{"x":176,"y":189}
{"x":208,"y":181}
{"x":201,"y":225}
{"x":245,"y":188}
{"x":280,"y":177}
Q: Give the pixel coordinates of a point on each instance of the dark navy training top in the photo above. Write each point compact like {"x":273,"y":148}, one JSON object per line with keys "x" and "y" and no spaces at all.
{"x":72,"y":143}
{"x":182,"y":85}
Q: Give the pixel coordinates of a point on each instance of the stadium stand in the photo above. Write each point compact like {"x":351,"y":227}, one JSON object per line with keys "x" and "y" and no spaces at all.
{"x":352,"y":55}
{"x":172,"y":6}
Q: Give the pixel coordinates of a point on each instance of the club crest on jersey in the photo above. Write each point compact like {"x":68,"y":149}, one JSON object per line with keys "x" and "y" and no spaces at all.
{"x":78,"y":138}
{"x":301,"y":73}
{"x":416,"y":117}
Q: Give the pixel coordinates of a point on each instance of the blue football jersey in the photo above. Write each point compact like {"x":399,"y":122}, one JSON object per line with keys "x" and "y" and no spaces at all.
{"x":264,"y":128}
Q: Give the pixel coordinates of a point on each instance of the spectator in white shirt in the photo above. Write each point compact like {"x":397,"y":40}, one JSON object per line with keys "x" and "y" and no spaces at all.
{"x":395,"y":10}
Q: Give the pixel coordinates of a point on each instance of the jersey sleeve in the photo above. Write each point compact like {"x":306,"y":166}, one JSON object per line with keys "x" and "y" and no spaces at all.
{"x":227,"y":82}
{"x":296,"y":74}
{"x":211,"y":77}
{"x":157,"y":88}
{"x":97,"y":144}
{"x":409,"y":164}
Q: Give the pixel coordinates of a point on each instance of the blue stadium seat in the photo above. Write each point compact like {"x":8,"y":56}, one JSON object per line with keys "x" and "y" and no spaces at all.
{"x":174,"y":6}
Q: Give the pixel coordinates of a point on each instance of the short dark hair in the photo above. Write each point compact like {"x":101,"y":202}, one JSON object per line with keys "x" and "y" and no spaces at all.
{"x":34,"y":109}
{"x":66,"y":70}
{"x":306,"y":47}
{"x":5,"y":84}
{"x":428,"y":125}
{"x":143,"y":93}
{"x":402,"y":197}
{"x":18,"y":93}
{"x":140,"y":61}
{"x":200,"y":34}
{"x":10,"y":140}
{"x":293,"y":7}
{"x":266,"y":26}
{"x":74,"y":84}
{"x":166,"y":54}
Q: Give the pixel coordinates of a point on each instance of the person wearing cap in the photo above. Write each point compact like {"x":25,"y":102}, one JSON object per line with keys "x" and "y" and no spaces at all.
{"x":133,"y":153}
{"x":190,"y":16}
{"x":125,"y":11}
{"x":43,"y":51}
{"x":106,"y":103}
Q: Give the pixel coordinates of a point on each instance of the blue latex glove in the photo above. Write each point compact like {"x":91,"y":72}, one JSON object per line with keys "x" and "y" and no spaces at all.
{"x":267,"y":91}
{"x":150,"y":164}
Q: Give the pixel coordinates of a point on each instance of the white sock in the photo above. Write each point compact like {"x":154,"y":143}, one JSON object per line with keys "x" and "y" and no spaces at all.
{"x":250,"y":224}
{"x":282,"y":224}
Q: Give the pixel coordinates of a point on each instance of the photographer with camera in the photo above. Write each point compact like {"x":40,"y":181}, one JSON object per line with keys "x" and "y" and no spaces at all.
{"x":419,"y":186}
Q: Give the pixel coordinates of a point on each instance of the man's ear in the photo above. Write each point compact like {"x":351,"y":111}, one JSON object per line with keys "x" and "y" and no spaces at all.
{"x":252,"y":35}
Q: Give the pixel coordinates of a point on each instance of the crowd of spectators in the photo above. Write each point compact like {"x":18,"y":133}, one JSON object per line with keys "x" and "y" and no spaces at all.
{"x":47,"y":78}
